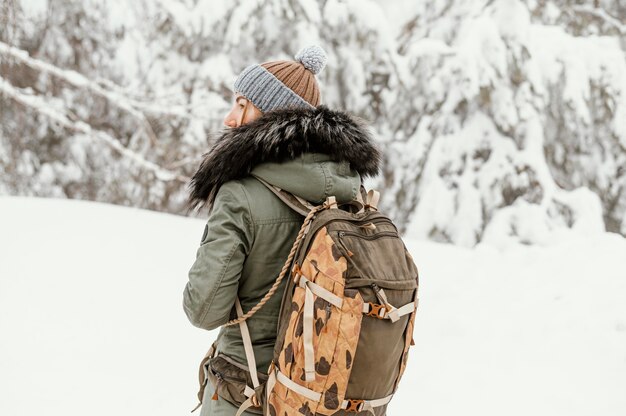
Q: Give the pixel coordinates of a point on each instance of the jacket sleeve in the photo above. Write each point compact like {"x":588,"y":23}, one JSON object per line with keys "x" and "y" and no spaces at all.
{"x":213,"y":282}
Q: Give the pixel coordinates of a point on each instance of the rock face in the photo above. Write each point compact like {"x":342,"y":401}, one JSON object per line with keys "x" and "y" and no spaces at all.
{"x":500,"y":120}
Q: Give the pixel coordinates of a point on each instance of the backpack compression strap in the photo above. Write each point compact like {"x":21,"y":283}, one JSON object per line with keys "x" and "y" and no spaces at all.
{"x":351,"y":405}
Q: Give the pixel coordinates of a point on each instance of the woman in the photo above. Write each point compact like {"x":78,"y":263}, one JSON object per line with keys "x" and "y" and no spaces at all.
{"x":279,"y":133}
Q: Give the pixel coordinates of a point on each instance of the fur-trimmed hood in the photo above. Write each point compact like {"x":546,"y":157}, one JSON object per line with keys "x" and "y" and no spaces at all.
{"x":283,"y":135}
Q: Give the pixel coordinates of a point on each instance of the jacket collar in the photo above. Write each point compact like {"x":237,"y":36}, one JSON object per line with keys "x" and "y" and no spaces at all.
{"x":282,"y":135}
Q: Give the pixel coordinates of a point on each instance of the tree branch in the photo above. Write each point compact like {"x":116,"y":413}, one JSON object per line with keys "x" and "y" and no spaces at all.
{"x":602,"y":14}
{"x":36,"y":103}
{"x":78,"y":80}
{"x":113,"y":93}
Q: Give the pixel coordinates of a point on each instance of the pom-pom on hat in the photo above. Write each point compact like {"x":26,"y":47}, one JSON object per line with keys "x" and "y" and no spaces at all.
{"x":280,"y":84}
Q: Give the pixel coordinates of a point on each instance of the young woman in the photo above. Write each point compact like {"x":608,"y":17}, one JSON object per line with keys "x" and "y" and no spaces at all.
{"x":277,"y":132}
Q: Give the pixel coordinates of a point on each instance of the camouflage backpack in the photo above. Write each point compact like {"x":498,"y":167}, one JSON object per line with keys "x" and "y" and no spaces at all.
{"x":346,"y":318}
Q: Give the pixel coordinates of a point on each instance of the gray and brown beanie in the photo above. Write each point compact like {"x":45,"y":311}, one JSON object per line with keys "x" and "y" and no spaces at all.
{"x":281,"y":84}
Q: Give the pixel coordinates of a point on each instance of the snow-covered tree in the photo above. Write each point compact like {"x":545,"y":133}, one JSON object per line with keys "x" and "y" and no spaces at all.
{"x":499,"y":119}
{"x":519,"y":123}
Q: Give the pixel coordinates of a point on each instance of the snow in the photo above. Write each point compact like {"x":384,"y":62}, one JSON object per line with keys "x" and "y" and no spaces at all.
{"x":37,"y":102}
{"x":546,"y":82}
{"x":513,"y":19}
{"x":312,"y":10}
{"x":336,"y":13}
{"x":238,"y":20}
{"x":34,"y":8}
{"x":207,"y":13}
{"x":427,"y":46}
{"x":91,"y":310}
{"x":398,"y":12}
{"x":497,"y":81}
{"x":92,"y":322}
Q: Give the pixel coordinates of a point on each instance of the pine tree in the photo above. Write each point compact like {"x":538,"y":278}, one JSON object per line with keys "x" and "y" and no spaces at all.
{"x":499,"y":119}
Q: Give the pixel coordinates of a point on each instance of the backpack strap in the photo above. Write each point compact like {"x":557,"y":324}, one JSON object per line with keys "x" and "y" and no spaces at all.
{"x":361,"y":196}
{"x":245,"y":406}
{"x":392,"y":311}
{"x":372,"y":199}
{"x":303,"y":230}
{"x":350,"y":405}
{"x":303,"y":207}
{"x":381,"y":312}
{"x":203,"y":376}
{"x":307,"y":334}
{"x":308,"y":322}
{"x":294,"y":202}
{"x":247,"y":346}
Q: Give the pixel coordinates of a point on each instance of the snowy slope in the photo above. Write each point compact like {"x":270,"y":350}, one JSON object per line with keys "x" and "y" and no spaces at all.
{"x":91,"y":320}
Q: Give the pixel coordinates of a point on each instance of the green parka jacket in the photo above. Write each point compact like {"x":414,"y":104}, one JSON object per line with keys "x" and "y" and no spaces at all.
{"x":250,"y":231}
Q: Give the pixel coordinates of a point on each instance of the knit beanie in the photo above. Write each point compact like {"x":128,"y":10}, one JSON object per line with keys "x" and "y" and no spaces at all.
{"x":281,"y":84}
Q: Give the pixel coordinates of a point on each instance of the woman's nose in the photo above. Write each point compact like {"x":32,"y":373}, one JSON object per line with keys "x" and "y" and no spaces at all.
{"x":230,"y":121}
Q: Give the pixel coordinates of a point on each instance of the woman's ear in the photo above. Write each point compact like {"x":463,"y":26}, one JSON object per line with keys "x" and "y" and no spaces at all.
{"x":243,"y":113}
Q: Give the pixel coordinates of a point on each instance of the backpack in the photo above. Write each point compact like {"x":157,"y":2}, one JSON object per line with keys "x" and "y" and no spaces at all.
{"x":346,"y":318}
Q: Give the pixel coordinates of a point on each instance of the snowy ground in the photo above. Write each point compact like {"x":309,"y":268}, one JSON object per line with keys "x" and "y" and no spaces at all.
{"x":91,"y":320}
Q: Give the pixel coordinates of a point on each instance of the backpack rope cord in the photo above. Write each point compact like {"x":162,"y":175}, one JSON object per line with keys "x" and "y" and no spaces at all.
{"x":280,"y":277}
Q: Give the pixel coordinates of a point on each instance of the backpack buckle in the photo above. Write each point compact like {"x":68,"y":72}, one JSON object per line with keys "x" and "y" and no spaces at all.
{"x":354,"y":405}
{"x":330,"y":202}
{"x":377,"y":310}
{"x":296,"y":272}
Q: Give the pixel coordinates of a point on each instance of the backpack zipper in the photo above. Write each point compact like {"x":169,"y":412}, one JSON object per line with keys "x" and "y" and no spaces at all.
{"x":363,"y":221}
{"x":369,"y":237}
{"x":304,"y":249}
{"x":222,"y":377}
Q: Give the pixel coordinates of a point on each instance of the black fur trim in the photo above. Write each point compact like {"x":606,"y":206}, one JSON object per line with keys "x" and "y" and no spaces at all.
{"x":282,"y":135}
